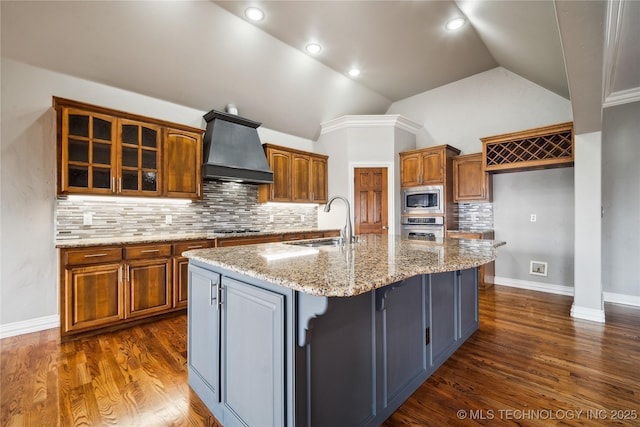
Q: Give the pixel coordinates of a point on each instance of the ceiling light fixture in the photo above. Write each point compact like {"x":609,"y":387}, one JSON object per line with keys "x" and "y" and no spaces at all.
{"x":354,"y":72}
{"x":254,"y":14}
{"x":313,"y":48}
{"x":454,"y":24}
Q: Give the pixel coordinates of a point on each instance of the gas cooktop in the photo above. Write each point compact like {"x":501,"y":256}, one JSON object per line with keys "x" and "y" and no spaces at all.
{"x":235,"y":231}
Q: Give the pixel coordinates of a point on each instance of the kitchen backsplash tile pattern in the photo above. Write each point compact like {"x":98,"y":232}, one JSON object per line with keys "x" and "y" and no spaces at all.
{"x":225,"y":206}
{"x":475,"y":216}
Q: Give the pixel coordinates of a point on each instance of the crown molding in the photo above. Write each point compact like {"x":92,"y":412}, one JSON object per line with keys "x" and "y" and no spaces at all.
{"x":615,"y":13}
{"x":622,"y":97}
{"x":369,"y":121}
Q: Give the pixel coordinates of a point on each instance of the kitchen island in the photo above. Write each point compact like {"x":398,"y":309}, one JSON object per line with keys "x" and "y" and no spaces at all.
{"x":295,"y":334}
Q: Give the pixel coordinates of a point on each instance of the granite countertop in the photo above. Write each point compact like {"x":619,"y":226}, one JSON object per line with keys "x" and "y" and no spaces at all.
{"x":169,"y":238}
{"x":334,"y":271}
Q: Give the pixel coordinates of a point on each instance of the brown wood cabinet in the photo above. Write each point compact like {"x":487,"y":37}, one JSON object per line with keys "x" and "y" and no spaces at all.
{"x":298,"y":176}
{"x":110,"y":152}
{"x":112,"y":286}
{"x":92,"y":289}
{"x":470,"y":182}
{"x":486,"y":272}
{"x":425,"y":166}
{"x":182,"y":163}
{"x":147,"y":279}
{"x":105,"y":286}
{"x":181,"y":269}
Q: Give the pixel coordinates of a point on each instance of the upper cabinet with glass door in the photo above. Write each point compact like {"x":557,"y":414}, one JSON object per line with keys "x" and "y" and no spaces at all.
{"x":109,"y":152}
{"x":89,"y":152}
{"x":139,"y":159}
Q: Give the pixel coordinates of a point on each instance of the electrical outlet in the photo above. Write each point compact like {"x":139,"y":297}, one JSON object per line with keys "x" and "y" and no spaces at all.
{"x":270,"y":218}
{"x":533,"y":218}
{"x":168,"y":219}
{"x":301,"y":218}
{"x":474,"y":217}
{"x":87,"y":218}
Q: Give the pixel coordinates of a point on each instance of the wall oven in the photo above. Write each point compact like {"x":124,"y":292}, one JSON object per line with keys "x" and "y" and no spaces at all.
{"x":422,"y":200}
{"x":430,"y":228}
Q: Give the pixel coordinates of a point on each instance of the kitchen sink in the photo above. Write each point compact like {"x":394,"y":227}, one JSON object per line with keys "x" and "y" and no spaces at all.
{"x":334,"y":241}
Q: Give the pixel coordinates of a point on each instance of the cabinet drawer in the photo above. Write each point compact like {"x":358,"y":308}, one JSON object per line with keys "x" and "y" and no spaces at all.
{"x":178,"y":248}
{"x":97,"y":255}
{"x":147,"y":251}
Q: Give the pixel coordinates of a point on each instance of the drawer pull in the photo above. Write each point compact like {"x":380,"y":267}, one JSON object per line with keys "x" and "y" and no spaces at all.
{"x":147,"y":251}
{"x":194,"y":247}
{"x":95,"y":255}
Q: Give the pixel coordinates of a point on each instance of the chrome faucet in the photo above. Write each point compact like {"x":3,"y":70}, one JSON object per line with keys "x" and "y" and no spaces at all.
{"x":346,"y":234}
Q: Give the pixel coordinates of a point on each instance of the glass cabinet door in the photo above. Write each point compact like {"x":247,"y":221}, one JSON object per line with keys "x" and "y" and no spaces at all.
{"x":88,"y":152}
{"x":139,"y":158}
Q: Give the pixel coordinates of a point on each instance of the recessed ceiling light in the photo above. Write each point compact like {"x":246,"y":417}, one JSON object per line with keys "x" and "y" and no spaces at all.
{"x":354,"y":72}
{"x":313,"y":48}
{"x":254,"y":14}
{"x":455,"y":24}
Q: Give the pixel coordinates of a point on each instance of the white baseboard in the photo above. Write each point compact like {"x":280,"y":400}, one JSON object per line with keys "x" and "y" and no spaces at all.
{"x":585,"y":313}
{"x":622,"y":299}
{"x":28,"y":326}
{"x":534,"y":286}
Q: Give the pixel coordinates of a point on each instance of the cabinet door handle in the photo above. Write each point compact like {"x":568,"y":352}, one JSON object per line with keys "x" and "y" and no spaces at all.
{"x":94,"y":255}
{"x":211,"y":298}
{"x":119,"y":185}
{"x":113,"y":183}
{"x":194,"y":247}
{"x":147,"y":251}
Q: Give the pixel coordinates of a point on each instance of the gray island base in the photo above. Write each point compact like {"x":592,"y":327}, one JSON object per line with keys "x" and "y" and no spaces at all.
{"x":263,"y":352}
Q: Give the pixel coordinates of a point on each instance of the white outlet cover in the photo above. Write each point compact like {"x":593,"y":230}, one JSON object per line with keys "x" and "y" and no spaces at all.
{"x":87,"y":218}
{"x":533,"y":218}
{"x":168,"y":219}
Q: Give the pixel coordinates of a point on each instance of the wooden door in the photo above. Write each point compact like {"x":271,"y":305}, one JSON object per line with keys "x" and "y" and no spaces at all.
{"x":300,"y":182}
{"x":370,"y":196}
{"x":182,"y":163}
{"x":409,"y":170}
{"x":432,"y":167}
{"x":149,"y":287}
{"x":93,"y":297}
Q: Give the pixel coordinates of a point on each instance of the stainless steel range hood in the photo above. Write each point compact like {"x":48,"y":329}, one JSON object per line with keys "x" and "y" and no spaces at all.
{"x":233,"y":151}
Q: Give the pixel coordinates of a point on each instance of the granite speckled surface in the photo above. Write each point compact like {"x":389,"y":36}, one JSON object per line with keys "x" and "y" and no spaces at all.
{"x":373,"y":262}
{"x":168,"y":238}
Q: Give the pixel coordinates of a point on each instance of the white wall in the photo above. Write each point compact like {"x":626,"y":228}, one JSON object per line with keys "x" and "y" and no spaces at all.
{"x":490,"y":103}
{"x":28,"y":267}
{"x":363,"y":146}
{"x":588,"y":301}
{"x":621,"y":200}
{"x":548,"y":194}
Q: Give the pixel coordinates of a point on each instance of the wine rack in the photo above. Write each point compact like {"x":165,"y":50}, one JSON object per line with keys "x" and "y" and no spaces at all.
{"x":540,"y":148}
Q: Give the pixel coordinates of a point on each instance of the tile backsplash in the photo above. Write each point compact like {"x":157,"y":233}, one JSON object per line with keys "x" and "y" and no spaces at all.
{"x":475,"y":216}
{"x":225,"y":205}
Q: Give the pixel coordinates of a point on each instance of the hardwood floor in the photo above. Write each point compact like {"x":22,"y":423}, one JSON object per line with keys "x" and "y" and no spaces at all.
{"x":529,"y":364}
{"x":133,"y":377}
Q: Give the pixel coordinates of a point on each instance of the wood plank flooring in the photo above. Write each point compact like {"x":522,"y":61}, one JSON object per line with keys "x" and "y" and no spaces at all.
{"x":530,"y":364}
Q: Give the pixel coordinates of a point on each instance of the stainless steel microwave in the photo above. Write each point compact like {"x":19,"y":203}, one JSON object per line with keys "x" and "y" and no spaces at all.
{"x":427,"y":199}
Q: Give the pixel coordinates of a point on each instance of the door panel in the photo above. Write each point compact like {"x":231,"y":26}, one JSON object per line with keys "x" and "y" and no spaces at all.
{"x":370,"y":188}
{"x":253,"y":354}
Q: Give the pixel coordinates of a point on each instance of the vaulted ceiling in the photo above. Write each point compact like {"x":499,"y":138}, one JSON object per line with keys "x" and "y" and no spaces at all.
{"x":206,"y":54}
